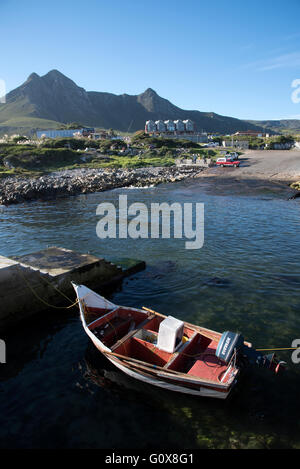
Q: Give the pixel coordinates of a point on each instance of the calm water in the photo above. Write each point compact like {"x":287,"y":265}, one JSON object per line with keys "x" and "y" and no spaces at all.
{"x":57,"y":391}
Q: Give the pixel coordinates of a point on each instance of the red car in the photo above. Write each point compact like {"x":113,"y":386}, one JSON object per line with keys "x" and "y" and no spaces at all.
{"x":227,"y":162}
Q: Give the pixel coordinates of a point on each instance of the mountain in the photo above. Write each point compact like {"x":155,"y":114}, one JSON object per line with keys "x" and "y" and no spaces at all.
{"x":53,"y":99}
{"x":280,"y":126}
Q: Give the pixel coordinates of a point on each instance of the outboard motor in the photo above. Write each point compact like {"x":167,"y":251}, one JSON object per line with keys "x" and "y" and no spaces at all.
{"x":232,"y":342}
{"x":228,"y":344}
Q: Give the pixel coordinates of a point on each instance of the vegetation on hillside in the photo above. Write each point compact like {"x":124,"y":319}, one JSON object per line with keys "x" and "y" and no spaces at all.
{"x":141,"y":138}
{"x":20,"y":155}
{"x":31,"y":158}
{"x":256,"y":143}
{"x":281,"y":139}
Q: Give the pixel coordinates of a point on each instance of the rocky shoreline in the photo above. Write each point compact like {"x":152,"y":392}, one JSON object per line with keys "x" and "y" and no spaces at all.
{"x":296,"y":186}
{"x":14,"y":190}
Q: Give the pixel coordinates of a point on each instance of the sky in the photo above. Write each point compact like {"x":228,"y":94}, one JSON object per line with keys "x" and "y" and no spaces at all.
{"x":234,"y":58}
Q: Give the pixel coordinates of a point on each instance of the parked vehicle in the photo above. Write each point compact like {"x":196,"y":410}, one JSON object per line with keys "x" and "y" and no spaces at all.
{"x":228,"y":161}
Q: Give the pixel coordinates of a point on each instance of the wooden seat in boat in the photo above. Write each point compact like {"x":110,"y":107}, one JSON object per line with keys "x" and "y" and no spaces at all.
{"x":131,"y":333}
{"x":180,"y":351}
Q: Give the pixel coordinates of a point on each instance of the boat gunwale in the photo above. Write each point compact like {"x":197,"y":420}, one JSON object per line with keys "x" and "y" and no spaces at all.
{"x":171,"y":384}
{"x":165,"y":372}
{"x":157,"y":371}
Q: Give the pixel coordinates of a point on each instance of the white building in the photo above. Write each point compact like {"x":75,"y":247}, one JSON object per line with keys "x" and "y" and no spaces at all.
{"x":244,"y":144}
{"x":189,"y":125}
{"x":179,"y":125}
{"x":160,"y":126}
{"x":170,"y":126}
{"x":150,"y":126}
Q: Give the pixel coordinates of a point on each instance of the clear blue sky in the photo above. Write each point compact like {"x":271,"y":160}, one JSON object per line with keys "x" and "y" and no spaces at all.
{"x":231,"y":57}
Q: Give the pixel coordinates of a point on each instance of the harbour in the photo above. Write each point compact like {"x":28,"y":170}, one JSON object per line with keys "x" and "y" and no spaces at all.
{"x":149,"y":230}
{"x":245,"y":277}
{"x":37,"y":281}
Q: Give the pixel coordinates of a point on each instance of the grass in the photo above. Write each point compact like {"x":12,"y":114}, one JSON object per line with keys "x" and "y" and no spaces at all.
{"x":25,"y":125}
{"x":5,"y":172}
{"x":52,"y":155}
{"x":30,"y":122}
{"x":27,"y":166}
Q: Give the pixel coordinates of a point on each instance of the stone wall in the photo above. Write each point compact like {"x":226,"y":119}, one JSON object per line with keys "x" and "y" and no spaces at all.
{"x":28,"y":289}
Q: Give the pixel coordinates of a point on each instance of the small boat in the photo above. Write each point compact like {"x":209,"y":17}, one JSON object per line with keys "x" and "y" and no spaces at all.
{"x":165,"y":351}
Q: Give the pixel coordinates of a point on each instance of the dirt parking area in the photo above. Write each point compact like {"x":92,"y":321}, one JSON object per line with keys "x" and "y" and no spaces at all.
{"x":277,"y":165}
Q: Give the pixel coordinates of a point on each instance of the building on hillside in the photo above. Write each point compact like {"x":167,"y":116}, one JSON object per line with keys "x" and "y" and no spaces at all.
{"x":64,"y":133}
{"x":243,"y":144}
{"x":160,"y":126}
{"x":150,"y":126}
{"x":189,"y":125}
{"x":179,"y":125}
{"x":202,"y":137}
{"x":101,"y":135}
{"x":170,"y":126}
{"x":87,"y":131}
{"x":176,"y":129}
{"x":252,"y":133}
{"x":279,"y":146}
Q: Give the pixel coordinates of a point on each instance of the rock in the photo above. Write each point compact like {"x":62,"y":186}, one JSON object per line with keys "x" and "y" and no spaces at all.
{"x":71,"y":182}
{"x":295,"y":185}
{"x":217,"y":282}
{"x":295,"y":196}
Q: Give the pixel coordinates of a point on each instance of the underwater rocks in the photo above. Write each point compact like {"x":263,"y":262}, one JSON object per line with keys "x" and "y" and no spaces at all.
{"x":217,"y":282}
{"x":14,"y":190}
{"x":295,"y":196}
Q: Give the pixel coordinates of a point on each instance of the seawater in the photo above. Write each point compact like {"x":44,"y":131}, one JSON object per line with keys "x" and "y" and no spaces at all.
{"x":58,"y":392}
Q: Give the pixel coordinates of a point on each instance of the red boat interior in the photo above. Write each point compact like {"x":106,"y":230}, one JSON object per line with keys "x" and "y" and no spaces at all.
{"x":134,"y":334}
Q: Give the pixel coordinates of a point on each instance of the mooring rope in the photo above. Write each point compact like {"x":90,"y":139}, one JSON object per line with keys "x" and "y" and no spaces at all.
{"x":44,"y":301}
{"x":77,"y":301}
{"x":273,"y":349}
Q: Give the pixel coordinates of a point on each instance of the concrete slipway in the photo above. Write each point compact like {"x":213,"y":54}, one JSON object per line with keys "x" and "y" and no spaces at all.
{"x":30,"y":283}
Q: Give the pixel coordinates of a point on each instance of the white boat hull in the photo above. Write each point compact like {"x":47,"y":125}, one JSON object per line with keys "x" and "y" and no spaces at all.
{"x":202,"y":391}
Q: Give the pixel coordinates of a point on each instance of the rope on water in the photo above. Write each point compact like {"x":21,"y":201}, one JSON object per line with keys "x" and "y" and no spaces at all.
{"x":273,"y":349}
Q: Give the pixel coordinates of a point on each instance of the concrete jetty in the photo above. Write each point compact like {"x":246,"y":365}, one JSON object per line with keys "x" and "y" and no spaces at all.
{"x":36,"y":282}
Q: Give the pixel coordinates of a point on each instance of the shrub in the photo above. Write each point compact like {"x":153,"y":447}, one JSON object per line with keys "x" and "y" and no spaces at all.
{"x":42,"y":158}
{"x":74,"y":143}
